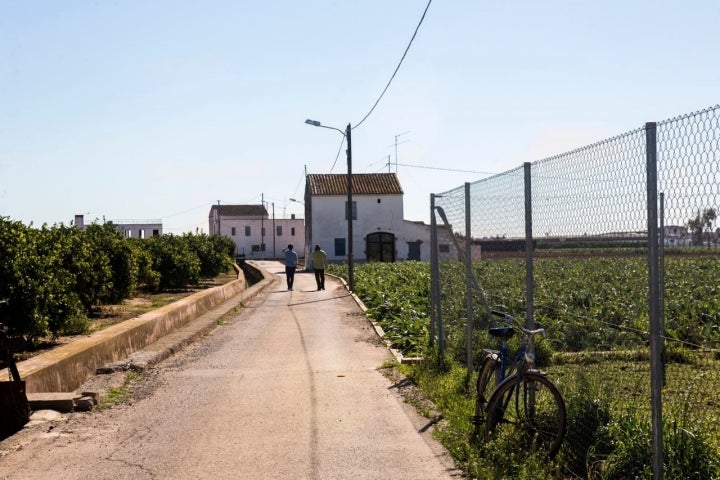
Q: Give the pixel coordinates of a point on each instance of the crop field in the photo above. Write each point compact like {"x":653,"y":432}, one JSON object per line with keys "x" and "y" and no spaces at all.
{"x":595,"y":312}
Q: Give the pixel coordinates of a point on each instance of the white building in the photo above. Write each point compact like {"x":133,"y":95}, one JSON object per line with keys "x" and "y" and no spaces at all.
{"x":677,"y":236}
{"x":256,"y":235}
{"x":139,"y":228}
{"x":380,"y":232}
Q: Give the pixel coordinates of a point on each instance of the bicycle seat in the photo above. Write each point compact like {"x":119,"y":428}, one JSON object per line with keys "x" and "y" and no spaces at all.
{"x":501,"y":332}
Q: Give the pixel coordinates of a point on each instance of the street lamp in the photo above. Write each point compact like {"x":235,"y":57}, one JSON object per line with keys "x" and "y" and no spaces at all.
{"x":347,"y":135}
{"x":296,"y":201}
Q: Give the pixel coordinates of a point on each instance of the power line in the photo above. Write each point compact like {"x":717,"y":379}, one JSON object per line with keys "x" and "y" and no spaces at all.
{"x":300,"y":181}
{"x":188,"y":210}
{"x":396,"y":68}
{"x":338,"y":154}
{"x":445,"y":169}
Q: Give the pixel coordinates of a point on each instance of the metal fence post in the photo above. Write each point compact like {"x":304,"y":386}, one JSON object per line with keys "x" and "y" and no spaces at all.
{"x":434,"y":299}
{"x":529,"y":282}
{"x":654,"y":301}
{"x":468,"y":283}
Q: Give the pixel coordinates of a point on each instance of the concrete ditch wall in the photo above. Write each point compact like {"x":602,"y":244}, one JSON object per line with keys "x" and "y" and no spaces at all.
{"x":66,"y":368}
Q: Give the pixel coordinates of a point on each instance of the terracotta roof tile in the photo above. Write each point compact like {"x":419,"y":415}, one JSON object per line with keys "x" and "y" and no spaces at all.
{"x":240,"y":210}
{"x":362,"y":184}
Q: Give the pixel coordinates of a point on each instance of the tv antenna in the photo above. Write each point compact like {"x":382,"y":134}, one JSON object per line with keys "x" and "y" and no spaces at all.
{"x":396,"y":145}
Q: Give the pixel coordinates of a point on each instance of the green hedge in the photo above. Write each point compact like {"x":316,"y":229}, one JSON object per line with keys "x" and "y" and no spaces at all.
{"x":53,"y":277}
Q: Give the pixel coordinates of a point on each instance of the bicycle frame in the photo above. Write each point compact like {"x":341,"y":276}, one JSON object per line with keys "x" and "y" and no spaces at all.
{"x":525,"y":356}
{"x":500,"y":359}
{"x":518,"y":390}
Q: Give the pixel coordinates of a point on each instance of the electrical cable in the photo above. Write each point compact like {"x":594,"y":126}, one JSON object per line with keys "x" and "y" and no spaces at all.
{"x":338,"y":154}
{"x":445,"y":169}
{"x":396,"y":68}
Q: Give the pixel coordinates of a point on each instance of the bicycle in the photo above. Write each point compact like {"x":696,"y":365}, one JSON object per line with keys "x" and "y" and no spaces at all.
{"x":522,"y":401}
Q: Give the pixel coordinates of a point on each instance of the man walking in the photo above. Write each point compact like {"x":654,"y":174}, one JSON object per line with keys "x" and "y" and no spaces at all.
{"x":319,"y":261}
{"x":291,"y":260}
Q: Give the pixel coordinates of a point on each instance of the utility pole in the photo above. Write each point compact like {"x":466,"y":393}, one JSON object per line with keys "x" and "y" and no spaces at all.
{"x":262,"y":225}
{"x":351,"y":278}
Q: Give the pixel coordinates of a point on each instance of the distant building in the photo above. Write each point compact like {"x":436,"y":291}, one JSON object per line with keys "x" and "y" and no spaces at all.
{"x":129,"y":228}
{"x":80,"y":222}
{"x":380,"y":233}
{"x":139,"y":228}
{"x":256,"y":235}
{"x":676,"y":236}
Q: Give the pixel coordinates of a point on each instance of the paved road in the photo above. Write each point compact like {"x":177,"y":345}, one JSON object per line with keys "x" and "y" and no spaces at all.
{"x":288,"y":389}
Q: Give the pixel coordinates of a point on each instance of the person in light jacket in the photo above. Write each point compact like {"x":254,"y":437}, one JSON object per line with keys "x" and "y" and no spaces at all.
{"x":319,"y":261}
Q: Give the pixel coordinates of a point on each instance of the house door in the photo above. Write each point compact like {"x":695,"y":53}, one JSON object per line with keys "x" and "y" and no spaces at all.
{"x":380,"y":247}
{"x":414,"y":250}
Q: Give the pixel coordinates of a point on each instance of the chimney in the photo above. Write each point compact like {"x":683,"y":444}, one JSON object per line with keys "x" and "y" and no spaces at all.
{"x":80,"y":222}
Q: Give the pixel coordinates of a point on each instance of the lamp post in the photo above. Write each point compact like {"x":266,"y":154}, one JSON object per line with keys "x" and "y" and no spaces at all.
{"x":349,"y":210}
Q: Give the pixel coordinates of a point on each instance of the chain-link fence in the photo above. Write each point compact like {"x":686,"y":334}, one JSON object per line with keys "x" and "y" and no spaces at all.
{"x":613,"y":249}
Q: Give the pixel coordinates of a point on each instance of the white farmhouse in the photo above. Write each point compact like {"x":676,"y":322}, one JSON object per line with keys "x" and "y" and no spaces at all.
{"x":380,"y":233}
{"x":256,"y":235}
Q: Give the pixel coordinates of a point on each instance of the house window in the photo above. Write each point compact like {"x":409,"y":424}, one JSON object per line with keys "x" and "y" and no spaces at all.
{"x":339,"y":247}
{"x":292,"y":231}
{"x":156,"y":232}
{"x":278,"y":230}
{"x":262,"y":232}
{"x":232,"y":231}
{"x":247,"y":231}
{"x":444,"y":248}
{"x":354,"y":210}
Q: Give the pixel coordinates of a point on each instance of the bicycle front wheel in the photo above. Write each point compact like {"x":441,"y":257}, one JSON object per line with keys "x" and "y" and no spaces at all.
{"x":528,"y":408}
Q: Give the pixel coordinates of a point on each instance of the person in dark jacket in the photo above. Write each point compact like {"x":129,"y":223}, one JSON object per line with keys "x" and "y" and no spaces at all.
{"x":291,"y":260}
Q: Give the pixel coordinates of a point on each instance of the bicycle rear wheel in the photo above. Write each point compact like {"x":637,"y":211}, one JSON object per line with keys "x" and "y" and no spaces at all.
{"x":528,"y":407}
{"x":487,"y":380}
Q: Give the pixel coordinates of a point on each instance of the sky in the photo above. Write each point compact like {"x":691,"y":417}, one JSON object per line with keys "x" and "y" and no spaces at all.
{"x":129,"y":109}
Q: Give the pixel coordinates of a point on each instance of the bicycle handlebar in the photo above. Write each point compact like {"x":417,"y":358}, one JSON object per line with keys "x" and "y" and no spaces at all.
{"x":509,"y":319}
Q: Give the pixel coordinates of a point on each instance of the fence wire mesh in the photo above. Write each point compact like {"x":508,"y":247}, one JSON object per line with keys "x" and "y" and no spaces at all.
{"x":589,"y":288}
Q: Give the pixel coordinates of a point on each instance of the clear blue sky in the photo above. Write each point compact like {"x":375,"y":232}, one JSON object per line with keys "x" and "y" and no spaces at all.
{"x":159,"y":109}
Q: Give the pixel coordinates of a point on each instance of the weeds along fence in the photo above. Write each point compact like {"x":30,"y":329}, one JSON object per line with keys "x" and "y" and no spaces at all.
{"x":612,"y":249}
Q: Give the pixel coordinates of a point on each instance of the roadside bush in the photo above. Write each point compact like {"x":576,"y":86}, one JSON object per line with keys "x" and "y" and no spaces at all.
{"x":177,"y":265}
{"x":82,"y":266}
{"x":43,"y":272}
{"x":122,"y":258}
{"x":212,"y":252}
{"x":20,"y":280}
{"x":224,"y":245}
{"x":148,"y":278}
{"x":52,"y":278}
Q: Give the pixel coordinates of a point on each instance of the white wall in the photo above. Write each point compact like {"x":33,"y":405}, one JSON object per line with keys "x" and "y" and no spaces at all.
{"x":273,"y":243}
{"x":139,"y":230}
{"x":329,"y":222}
{"x":414,"y":231}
